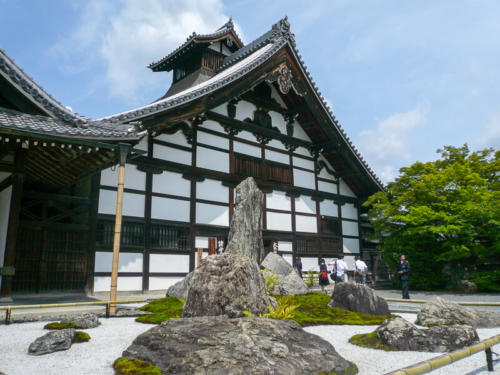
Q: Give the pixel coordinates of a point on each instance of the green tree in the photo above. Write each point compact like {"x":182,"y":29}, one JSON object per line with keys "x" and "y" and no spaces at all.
{"x":445,"y":216}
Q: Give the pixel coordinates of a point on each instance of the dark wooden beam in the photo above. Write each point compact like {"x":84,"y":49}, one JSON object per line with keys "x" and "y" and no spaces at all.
{"x":6,"y":183}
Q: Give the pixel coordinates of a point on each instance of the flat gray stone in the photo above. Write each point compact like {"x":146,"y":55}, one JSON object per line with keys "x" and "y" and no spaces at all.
{"x":219,"y":346}
{"x":358,"y":298}
{"x":84,"y":321}
{"x":439,"y":311}
{"x":52,"y":342}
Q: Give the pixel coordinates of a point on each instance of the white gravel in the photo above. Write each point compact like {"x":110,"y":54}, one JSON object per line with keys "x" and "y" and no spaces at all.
{"x":114,"y":335}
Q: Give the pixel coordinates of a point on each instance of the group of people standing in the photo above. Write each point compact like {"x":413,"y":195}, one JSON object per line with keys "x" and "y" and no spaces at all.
{"x":339,"y":268}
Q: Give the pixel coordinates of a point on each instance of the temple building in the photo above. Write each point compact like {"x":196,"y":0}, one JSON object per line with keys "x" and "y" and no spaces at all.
{"x":232,"y":111}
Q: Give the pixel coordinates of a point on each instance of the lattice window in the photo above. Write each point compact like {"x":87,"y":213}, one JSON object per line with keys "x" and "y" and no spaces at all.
{"x":169,"y":237}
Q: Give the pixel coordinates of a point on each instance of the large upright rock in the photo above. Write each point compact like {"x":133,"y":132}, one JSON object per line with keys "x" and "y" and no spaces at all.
{"x":180,"y":289}
{"x":245,"y":233}
{"x":289,"y":282}
{"x":227,"y":284}
{"x":216,"y":345}
{"x":401,"y":334}
{"x":440,"y":311}
{"x":358,"y":298}
{"x":52,"y":342}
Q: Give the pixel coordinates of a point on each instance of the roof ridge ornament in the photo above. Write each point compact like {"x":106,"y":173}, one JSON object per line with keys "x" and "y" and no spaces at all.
{"x":281,"y":29}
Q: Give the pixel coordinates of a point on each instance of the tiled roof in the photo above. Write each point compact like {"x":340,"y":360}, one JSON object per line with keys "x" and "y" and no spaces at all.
{"x":194,"y":38}
{"x":66,"y":121}
{"x":14,"y":120}
{"x":237,"y":65}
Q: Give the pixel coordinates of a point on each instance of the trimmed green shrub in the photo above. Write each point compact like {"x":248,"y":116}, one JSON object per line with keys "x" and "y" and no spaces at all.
{"x":370,"y":340}
{"x":125,"y":366}
{"x":81,"y":336}
{"x":162,"y":310}
{"x":57,"y":325}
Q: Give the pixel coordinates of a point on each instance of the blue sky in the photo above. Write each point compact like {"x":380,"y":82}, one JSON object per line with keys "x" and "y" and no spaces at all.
{"x":404,"y":78}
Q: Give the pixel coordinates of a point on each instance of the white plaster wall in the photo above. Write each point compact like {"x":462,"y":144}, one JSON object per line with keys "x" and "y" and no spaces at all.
{"x":124,"y":283}
{"x":278,"y":221}
{"x":304,"y":163}
{"x":169,"y":209}
{"x":351,"y":245}
{"x":212,"y":190}
{"x":278,"y":121}
{"x":160,"y":283}
{"x":350,"y":228}
{"x":327,"y":186}
{"x":304,"y":179}
{"x":306,"y":224}
{"x":277,"y":144}
{"x":277,"y":157}
{"x":212,"y":214}
{"x":215,"y":46}
{"x":177,"y":138}
{"x":244,"y":109}
{"x":349,"y":211}
{"x":201,"y":242}
{"x":302,"y":151}
{"x":226,"y":50}
{"x":345,"y":190}
{"x":349,"y":259}
{"x":286,"y":246}
{"x":246,"y":135}
{"x":328,"y":208}
{"x":324,"y":173}
{"x":243,"y":148}
{"x":305,"y":204}
{"x":168,"y":263}
{"x":221,"y":109}
{"x":212,"y":125}
{"x":276,"y":96}
{"x":278,"y":201}
{"x":133,"y":204}
{"x":172,"y":154}
{"x":298,"y":132}
{"x":134,"y":179}
{"x":211,"y":159}
{"x":143,"y":144}
{"x":171,"y":183}
{"x":213,"y":140}
{"x":5,"y":197}
{"x":309,"y":264}
{"x":127,"y":262}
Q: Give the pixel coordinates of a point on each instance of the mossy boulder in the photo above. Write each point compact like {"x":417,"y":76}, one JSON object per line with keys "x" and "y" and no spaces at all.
{"x":125,"y":366}
{"x":81,"y":336}
{"x":57,"y":325}
{"x":370,"y":340}
{"x":162,"y":310}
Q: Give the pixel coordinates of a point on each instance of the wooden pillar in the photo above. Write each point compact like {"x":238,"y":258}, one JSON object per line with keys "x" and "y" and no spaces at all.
{"x":14,"y":215}
{"x":124,"y":149}
{"x":211,"y":246}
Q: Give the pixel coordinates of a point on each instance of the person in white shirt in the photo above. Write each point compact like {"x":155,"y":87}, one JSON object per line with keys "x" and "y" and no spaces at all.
{"x":360,"y":270}
{"x":341,"y":268}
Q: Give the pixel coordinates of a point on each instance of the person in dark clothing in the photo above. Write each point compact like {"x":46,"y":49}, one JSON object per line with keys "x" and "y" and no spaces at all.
{"x":403,"y":271}
{"x":298,"y":266}
{"x":323,"y":275}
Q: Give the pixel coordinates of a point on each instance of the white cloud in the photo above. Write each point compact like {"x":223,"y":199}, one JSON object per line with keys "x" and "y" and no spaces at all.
{"x":127,"y":36}
{"x":386,"y":147}
{"x":490,"y":134}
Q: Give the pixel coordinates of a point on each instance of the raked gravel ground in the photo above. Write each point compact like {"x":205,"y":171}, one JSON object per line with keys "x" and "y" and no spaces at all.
{"x":115,"y":335}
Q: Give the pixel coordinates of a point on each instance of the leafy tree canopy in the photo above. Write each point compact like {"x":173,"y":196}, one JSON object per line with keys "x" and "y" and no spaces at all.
{"x":445,"y":216}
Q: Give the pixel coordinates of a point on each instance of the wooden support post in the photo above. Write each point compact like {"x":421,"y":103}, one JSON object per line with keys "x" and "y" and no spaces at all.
{"x":200,"y":255}
{"x":211,"y":246}
{"x":124,"y":149}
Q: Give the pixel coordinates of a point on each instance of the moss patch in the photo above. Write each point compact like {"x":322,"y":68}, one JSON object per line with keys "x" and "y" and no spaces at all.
{"x":370,"y":340}
{"x":162,"y":309}
{"x":314,"y":310}
{"x":125,"y":366}
{"x":81,"y":336}
{"x":351,"y":370}
{"x":57,"y":325}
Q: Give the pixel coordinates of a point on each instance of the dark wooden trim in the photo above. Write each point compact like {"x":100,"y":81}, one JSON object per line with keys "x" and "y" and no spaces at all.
{"x":7,"y":167}
{"x":171,"y":196}
{"x":120,"y":274}
{"x":231,"y":188}
{"x":278,"y":210}
{"x":305,"y":170}
{"x":214,"y":148}
{"x":92,"y":240}
{"x":326,"y":180}
{"x":214,"y":132}
{"x":215,"y":203}
{"x":6,"y":183}
{"x":13,"y":226}
{"x":346,"y":219}
{"x":346,"y":236}
{"x":125,"y":190}
{"x":172,"y":145}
